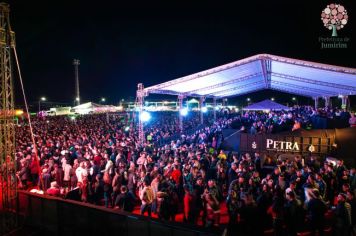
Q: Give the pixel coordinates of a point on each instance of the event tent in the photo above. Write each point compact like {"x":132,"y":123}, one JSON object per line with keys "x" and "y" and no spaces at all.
{"x":266,"y":105}
{"x":91,"y":107}
{"x":263,"y":71}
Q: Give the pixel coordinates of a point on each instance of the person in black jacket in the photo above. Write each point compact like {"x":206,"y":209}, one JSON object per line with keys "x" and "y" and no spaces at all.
{"x":125,"y":200}
{"x":343,"y":216}
{"x":316,"y":209}
{"x":293,"y":214}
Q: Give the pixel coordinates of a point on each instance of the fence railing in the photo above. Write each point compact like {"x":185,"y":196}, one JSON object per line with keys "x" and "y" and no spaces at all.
{"x":66,"y":217}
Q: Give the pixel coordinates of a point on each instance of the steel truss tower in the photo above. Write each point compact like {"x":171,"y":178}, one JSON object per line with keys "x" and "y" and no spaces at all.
{"x":140,"y":97}
{"x":7,"y":130}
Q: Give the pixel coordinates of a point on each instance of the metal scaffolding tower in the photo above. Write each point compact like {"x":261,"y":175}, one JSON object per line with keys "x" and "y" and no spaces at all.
{"x":76,"y":64}
{"x":140,"y":97}
{"x":180,"y":107}
{"x":7,"y":130}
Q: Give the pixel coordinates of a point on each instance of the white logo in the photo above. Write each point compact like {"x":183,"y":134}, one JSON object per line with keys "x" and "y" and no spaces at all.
{"x":311,"y":148}
{"x":282,"y":145}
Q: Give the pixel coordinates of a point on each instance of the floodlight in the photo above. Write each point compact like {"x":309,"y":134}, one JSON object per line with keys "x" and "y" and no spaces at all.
{"x":145,"y":116}
{"x":184,"y":112}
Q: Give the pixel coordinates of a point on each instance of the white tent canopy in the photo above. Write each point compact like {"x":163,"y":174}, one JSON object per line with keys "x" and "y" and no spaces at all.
{"x":264,"y":71}
{"x":91,"y":107}
{"x":266,"y":105}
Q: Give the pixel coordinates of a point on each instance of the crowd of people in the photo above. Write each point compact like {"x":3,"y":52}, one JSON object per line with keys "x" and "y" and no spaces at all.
{"x":92,"y":160}
{"x":305,"y":117}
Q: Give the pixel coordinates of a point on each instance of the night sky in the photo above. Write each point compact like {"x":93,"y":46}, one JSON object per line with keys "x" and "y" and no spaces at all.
{"x":120,"y":45}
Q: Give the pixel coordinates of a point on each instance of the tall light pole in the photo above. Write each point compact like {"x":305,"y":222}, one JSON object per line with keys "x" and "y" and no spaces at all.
{"x":76,"y":64}
{"x":43,"y":99}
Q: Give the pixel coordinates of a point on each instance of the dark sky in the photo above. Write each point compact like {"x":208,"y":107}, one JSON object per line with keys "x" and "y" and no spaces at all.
{"x":120,"y":45}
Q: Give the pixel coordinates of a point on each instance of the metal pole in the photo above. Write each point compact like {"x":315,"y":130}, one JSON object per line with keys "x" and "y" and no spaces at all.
{"x":344,"y":102}
{"x":139,"y":103}
{"x":76,"y":63}
{"x":180,"y":103}
{"x":214,"y":100}
{"x":316,"y":101}
{"x":327,"y":101}
{"x":201,"y":112}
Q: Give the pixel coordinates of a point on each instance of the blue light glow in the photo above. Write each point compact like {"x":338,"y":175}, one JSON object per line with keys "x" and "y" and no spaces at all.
{"x":145,"y":116}
{"x":184,"y":112}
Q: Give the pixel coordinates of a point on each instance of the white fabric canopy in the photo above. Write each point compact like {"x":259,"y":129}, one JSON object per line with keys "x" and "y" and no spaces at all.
{"x":264,"y":71}
{"x":266,"y":105}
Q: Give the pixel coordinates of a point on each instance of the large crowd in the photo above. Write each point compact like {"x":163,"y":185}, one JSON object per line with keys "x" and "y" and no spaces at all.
{"x":96,"y":160}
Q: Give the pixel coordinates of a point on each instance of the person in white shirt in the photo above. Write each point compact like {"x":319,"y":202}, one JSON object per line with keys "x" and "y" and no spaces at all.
{"x":79,"y":172}
{"x":67,"y":169}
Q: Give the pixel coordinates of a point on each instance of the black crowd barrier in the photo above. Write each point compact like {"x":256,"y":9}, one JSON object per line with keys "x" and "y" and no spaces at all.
{"x":56,"y":216}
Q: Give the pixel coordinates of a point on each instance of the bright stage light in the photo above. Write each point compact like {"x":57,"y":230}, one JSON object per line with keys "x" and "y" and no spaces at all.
{"x":204,"y":109}
{"x":184,"y":111}
{"x":127,"y":128}
{"x":217,"y":108}
{"x":145,"y":116}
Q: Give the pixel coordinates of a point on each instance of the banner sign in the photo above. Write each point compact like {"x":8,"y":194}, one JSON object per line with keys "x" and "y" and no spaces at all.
{"x":287,"y":144}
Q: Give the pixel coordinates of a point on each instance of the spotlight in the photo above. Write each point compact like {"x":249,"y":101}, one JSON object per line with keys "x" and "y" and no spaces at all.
{"x":184,"y":111}
{"x":127,"y":128}
{"x":204,"y":109}
{"x":145,"y":116}
{"x":72,"y":117}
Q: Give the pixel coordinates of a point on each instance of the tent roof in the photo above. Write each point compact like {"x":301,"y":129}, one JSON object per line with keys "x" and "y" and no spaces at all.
{"x":264,"y":71}
{"x":266,"y":105}
{"x":87,"y":105}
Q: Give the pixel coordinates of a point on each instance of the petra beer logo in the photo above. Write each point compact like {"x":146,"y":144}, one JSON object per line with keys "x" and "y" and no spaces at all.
{"x":334,"y":17}
{"x":254,"y":145}
{"x":282,"y":145}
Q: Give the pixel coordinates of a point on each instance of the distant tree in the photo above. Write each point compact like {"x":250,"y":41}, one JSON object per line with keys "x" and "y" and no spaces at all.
{"x":334,"y":17}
